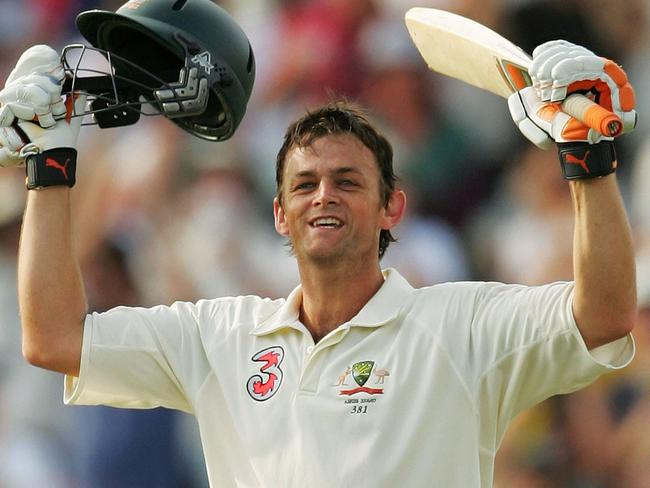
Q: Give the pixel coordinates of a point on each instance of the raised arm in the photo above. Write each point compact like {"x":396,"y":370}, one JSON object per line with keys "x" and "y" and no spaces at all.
{"x":34,"y":129}
{"x":50,"y":290}
{"x":604,"y":302}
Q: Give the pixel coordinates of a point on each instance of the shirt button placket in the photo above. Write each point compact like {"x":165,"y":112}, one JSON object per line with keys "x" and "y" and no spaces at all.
{"x":312,"y":366}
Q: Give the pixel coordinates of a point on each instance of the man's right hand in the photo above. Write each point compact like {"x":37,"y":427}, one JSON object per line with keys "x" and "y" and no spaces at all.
{"x":33,"y":116}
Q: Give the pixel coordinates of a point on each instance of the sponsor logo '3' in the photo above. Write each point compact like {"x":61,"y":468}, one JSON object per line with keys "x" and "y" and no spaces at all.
{"x":266,"y":383}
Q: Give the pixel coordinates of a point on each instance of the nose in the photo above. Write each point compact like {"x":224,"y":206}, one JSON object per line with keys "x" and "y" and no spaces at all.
{"x":326,"y":194}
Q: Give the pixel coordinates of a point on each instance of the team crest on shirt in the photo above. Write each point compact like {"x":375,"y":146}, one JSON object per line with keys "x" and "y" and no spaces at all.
{"x":362,"y":372}
{"x":365,"y":379}
{"x":266,"y":382}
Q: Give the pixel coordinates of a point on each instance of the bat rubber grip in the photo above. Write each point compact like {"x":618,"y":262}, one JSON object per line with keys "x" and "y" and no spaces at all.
{"x":593,"y":115}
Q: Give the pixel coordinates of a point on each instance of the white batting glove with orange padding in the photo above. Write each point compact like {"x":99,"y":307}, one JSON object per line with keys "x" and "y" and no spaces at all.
{"x":560,"y":70}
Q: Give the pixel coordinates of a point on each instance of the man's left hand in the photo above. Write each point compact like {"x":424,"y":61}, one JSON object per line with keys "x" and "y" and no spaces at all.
{"x":559,"y":69}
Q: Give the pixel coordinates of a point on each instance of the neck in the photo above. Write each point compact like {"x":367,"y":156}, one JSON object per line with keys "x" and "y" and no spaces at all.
{"x":332,"y":295}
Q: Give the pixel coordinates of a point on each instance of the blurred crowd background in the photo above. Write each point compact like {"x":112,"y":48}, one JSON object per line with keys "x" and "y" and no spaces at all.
{"x":161,"y":216}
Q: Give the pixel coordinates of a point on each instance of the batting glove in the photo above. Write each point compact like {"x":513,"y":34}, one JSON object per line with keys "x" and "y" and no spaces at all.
{"x":36,"y":125}
{"x":33,"y":89}
{"x":558,"y":70}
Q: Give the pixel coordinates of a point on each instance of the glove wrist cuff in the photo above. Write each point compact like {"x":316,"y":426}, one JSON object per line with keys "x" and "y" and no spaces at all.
{"x":54,"y":167}
{"x":580,"y":160}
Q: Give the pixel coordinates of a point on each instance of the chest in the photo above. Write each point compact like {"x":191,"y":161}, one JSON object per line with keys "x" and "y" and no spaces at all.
{"x":355,"y":378}
{"x":337,"y":406}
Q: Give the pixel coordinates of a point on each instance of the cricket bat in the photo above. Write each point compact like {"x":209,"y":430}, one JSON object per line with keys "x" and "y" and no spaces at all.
{"x":468,"y":51}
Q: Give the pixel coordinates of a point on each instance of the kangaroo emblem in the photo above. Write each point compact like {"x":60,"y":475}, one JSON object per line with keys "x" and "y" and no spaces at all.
{"x":380,"y":374}
{"x":344,"y":376}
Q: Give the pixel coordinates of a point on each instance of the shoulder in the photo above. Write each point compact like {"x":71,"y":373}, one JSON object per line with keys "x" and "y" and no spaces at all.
{"x":472,"y":303}
{"x":489,"y":290}
{"x":229,"y":311}
{"x":444,"y":308}
{"x":452,"y":292}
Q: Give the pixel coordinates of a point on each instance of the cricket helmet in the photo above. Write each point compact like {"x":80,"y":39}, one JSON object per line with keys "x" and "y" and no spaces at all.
{"x":188,"y":59}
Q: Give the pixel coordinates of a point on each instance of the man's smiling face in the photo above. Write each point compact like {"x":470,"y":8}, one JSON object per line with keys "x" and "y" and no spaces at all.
{"x":331,"y":205}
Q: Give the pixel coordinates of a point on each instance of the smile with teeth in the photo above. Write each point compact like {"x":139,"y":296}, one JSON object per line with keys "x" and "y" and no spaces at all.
{"x":329,"y":222}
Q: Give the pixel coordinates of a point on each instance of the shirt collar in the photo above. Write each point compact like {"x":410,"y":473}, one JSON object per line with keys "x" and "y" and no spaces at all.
{"x":383,"y":307}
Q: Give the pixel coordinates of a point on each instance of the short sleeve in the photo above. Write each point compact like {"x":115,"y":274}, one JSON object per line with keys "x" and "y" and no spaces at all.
{"x":530,"y":347}
{"x":139,"y":358}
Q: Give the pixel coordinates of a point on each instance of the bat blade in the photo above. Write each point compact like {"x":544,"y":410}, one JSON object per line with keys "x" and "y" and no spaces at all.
{"x":461,"y":48}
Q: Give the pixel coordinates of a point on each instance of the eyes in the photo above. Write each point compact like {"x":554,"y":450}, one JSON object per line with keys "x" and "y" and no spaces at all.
{"x":304,"y":186}
{"x":348,"y":183}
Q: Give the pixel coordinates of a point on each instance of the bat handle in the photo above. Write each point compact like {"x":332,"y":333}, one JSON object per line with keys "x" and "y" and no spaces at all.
{"x":593,"y":115}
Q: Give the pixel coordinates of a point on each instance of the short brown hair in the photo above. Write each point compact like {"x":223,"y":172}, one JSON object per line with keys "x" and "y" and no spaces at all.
{"x":341,"y":117}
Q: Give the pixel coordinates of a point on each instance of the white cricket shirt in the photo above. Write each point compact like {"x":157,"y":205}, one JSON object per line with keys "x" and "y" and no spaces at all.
{"x":416,"y":390}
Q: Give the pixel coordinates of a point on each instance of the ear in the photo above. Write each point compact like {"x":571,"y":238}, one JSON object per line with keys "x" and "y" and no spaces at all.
{"x":280,"y":222}
{"x":394,"y":210}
